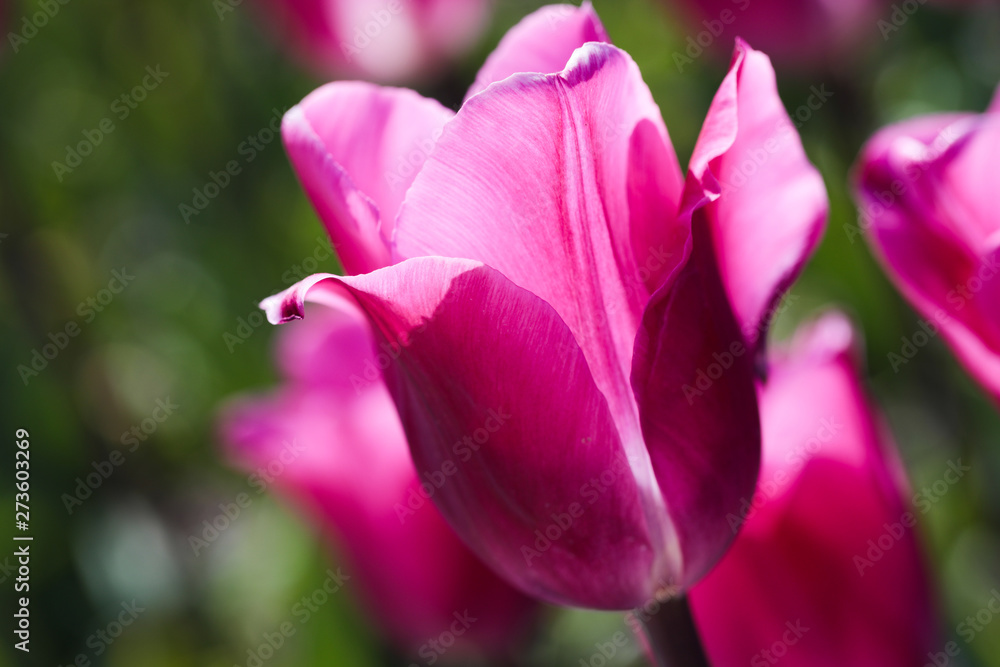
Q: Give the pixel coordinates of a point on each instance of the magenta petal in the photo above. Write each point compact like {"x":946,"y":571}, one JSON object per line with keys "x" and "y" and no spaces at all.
{"x":655,"y":187}
{"x":769,"y":203}
{"x":338,"y":452}
{"x":694,"y":382}
{"x":356,"y":148}
{"x":801,"y":562}
{"x":542,"y":42}
{"x":928,"y":210}
{"x":965,"y":177}
{"x":542,"y":178}
{"x":498,"y":403}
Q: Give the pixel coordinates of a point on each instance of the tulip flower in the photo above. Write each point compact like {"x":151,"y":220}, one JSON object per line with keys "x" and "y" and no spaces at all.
{"x":800,"y":34}
{"x":329,"y":440}
{"x":567,"y":323}
{"x":928,"y":198}
{"x":828,"y":569}
{"x":382,"y":40}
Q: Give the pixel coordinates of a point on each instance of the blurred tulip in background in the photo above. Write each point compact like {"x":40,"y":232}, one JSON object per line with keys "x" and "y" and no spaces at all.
{"x":828,"y":569}
{"x":381,"y":40}
{"x":798,"y":34}
{"x":928,"y":191}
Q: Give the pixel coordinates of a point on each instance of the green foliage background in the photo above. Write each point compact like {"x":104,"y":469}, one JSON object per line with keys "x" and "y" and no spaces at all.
{"x":163,"y":335}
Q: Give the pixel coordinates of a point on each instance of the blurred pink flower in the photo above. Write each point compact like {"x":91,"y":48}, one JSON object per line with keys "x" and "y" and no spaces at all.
{"x":329,"y":441}
{"x":539,"y":255}
{"x":798,"y":34}
{"x":928,"y":194}
{"x":827,"y":570}
{"x":381,"y":40}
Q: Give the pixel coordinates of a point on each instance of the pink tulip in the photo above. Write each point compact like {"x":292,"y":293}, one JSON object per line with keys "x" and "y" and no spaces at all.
{"x":827,"y":570}
{"x":383,"y":40}
{"x":799,"y":34}
{"x":330,"y":441}
{"x":567,"y":323}
{"x":928,"y":194}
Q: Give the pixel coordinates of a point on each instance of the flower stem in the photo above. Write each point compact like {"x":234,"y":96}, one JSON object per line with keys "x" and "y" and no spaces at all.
{"x":673,"y":638}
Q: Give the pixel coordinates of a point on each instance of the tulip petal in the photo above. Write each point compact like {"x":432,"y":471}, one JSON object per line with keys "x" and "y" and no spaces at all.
{"x":768,"y":203}
{"x":930,"y":222}
{"x":498,"y":403}
{"x":541,"y":42}
{"x":356,"y":148}
{"x":691,"y":367}
{"x":339,"y":453}
{"x":966,"y":174}
{"x":800,"y":567}
{"x":542,"y":177}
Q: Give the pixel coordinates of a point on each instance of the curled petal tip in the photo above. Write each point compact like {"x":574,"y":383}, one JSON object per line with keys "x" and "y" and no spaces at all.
{"x":276,"y":310}
{"x":290,"y":304}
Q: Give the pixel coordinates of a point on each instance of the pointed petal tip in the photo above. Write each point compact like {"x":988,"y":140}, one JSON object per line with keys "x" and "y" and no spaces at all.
{"x":542,"y":42}
{"x":741,"y":51}
{"x":747,"y":124}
